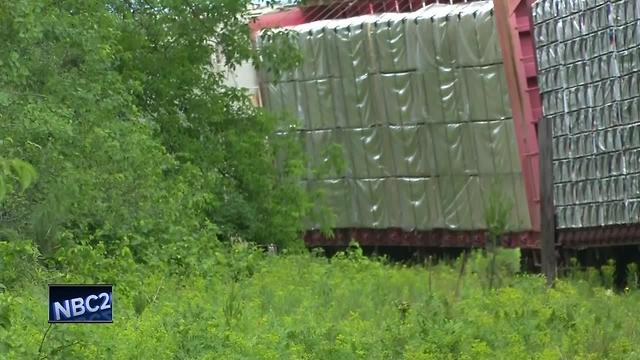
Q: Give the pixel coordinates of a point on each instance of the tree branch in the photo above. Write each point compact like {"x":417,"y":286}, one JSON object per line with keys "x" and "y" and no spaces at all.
{"x":43,"y":338}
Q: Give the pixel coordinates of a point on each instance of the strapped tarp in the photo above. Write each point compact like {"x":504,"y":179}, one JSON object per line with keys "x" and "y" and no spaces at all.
{"x":419,"y":104}
{"x":588,"y":54}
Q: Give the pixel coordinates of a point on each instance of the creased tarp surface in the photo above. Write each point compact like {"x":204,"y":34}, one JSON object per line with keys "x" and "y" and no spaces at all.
{"x":419,"y":104}
{"x":588,"y":53}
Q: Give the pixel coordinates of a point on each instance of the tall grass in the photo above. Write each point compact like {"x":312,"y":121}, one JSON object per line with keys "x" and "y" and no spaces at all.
{"x":346,"y":307}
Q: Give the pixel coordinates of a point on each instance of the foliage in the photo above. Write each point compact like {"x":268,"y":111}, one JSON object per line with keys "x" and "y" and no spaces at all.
{"x":136,"y":139}
{"x":496,"y":213}
{"x":15,"y":171}
{"x":346,"y":307}
{"x":145,"y":160}
{"x":272,"y":43}
{"x":608,"y":273}
{"x":507,"y":265}
{"x":632,"y":276}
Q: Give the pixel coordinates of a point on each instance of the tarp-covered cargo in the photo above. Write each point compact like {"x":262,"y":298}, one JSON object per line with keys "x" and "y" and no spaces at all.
{"x":419,"y":105}
{"x":589,"y":58}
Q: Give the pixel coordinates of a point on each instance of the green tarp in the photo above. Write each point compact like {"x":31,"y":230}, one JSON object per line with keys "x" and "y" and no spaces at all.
{"x":419,"y":105}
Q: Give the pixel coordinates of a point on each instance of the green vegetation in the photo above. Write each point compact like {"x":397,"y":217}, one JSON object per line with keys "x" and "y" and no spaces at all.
{"x":124,"y":159}
{"x":136,"y":140}
{"x":14,"y":172}
{"x":244,"y":304}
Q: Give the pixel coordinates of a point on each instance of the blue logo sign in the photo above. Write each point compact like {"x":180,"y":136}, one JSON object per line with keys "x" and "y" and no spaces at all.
{"x":80,"y":303}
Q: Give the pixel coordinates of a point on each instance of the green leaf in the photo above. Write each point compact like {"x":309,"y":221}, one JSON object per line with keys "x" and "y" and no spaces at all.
{"x":25,"y":173}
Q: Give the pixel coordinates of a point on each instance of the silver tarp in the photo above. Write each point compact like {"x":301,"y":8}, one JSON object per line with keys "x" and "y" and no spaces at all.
{"x":589,"y":58}
{"x":419,"y":104}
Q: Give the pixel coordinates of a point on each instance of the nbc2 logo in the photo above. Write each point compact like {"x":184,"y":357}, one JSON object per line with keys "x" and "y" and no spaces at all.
{"x":80,"y":303}
{"x":79,"y":306}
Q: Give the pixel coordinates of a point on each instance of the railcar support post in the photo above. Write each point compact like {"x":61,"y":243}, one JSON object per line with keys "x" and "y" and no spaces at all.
{"x":515,"y":30}
{"x":547,"y":223}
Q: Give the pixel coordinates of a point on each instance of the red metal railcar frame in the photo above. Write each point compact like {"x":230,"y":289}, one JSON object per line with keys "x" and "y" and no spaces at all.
{"x":417,"y":238}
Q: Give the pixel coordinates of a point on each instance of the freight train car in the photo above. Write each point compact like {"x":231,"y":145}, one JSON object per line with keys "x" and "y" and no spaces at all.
{"x":419,"y":103}
{"x":433,"y":102}
{"x":589,"y":69}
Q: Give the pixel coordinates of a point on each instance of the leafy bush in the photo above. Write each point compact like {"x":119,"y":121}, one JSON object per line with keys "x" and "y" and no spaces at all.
{"x":507,"y":265}
{"x":135,"y":137}
{"x":18,"y":263}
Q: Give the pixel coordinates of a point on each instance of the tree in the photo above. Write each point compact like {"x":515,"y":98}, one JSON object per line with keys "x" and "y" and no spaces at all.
{"x":136,"y":140}
{"x":497,"y":212}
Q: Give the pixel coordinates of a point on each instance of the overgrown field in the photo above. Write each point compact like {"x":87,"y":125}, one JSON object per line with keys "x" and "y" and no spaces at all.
{"x":126,"y":159}
{"x":244,"y":304}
